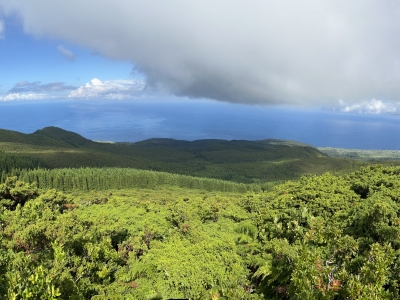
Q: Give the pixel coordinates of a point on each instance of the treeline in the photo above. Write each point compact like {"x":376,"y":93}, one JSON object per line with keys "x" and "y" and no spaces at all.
{"x":87,"y":179}
{"x":322,"y":237}
{"x":8,"y":162}
{"x":239,"y":161}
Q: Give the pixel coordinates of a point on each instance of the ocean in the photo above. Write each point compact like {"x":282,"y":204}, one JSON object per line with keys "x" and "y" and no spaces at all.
{"x":131,"y":121}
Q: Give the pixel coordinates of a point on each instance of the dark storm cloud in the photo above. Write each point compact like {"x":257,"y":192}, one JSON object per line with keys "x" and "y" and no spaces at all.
{"x":268,"y":52}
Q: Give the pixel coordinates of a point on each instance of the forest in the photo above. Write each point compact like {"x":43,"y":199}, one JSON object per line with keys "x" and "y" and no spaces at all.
{"x":107,"y":232}
{"x":320,"y":237}
{"x":239,"y":161}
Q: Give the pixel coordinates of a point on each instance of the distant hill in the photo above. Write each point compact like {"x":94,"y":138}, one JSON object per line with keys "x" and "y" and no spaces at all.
{"x":59,"y":134}
{"x":365,"y":155}
{"x":236,"y":160}
{"x":30,"y":139}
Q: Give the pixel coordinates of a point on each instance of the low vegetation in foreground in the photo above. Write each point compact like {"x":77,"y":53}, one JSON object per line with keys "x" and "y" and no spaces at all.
{"x":321,"y":237}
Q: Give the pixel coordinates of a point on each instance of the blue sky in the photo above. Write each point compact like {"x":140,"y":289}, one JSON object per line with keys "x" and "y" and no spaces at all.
{"x":336,"y":55}
{"x":39,"y":61}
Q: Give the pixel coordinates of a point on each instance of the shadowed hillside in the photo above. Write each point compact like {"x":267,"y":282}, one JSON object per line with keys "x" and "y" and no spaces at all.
{"x":236,"y":160}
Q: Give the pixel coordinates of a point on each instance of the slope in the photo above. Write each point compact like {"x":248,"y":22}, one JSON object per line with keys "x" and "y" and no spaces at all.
{"x":236,"y":160}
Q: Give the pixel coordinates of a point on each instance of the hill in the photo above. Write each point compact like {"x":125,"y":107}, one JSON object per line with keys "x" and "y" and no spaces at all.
{"x":236,"y":160}
{"x":58,"y":134}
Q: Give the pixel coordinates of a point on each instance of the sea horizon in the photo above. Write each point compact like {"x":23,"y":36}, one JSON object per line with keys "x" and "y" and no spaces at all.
{"x":133,"y":121}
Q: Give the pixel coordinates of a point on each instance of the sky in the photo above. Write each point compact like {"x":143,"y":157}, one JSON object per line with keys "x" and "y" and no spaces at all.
{"x":336,"y":55}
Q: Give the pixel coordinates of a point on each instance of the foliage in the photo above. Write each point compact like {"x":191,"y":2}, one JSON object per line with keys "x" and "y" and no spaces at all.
{"x":321,"y":237}
{"x":8,"y":162}
{"x":87,"y":179}
{"x":13,"y":192}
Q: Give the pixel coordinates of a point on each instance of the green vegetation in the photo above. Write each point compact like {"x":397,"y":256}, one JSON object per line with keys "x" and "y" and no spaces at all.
{"x":162,"y":219}
{"x":365,"y":155}
{"x":239,"y":161}
{"x":8,"y":162}
{"x":321,"y":237}
{"x":88,"y":179}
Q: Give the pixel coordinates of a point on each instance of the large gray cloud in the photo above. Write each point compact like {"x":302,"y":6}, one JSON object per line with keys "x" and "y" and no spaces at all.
{"x":292,"y":52}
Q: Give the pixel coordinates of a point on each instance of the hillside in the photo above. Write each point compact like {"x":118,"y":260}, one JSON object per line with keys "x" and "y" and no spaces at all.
{"x":322,"y":237}
{"x":236,"y":160}
{"x":58,"y":134}
{"x":364,"y":155}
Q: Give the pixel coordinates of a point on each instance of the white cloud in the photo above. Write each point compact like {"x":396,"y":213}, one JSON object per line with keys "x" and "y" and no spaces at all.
{"x":109,"y":89}
{"x":18,"y":96}
{"x":37,"y":86}
{"x":66,"y":53}
{"x":1,"y":29}
{"x":373,"y":106}
{"x":270,"y":52}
